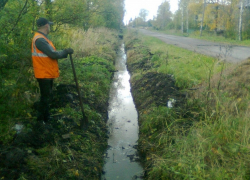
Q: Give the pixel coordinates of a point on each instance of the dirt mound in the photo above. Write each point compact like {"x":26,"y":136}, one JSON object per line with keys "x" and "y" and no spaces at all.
{"x":160,"y":89}
{"x":65,"y":94}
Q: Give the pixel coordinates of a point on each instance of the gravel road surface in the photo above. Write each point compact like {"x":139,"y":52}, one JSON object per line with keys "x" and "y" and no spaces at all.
{"x":230,"y":53}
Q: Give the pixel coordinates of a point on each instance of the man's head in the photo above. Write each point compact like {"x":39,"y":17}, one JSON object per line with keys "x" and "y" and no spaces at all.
{"x":43,"y":25}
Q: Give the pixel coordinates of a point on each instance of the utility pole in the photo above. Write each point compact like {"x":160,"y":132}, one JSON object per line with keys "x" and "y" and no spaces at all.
{"x":204,"y":6}
{"x":182,"y":20}
{"x":240,"y":20}
{"x":187,"y":19}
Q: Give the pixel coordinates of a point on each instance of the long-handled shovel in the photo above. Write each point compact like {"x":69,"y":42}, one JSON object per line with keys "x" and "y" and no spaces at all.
{"x":84,"y":121}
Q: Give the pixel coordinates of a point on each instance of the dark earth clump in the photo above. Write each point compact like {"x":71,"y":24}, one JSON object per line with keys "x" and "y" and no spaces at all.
{"x":143,"y":60}
{"x":66,"y":94}
{"x":159,"y":88}
{"x":144,"y":65}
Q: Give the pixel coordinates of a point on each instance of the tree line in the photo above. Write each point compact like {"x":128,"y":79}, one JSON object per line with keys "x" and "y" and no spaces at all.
{"x":226,"y":17}
{"x":18,"y":21}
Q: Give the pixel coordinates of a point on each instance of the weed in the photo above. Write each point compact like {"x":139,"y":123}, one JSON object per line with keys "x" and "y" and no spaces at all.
{"x":202,"y":137}
{"x":59,"y":150}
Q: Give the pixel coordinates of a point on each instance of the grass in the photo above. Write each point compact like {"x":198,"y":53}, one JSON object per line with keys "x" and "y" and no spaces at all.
{"x":81,"y":155}
{"x":218,"y":38}
{"x":208,"y":136}
{"x":188,"y":68}
{"x":210,"y":150}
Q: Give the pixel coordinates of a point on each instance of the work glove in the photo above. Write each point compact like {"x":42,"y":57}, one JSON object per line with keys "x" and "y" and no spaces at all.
{"x":69,"y":51}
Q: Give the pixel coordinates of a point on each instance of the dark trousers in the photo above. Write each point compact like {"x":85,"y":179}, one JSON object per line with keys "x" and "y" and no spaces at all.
{"x":45,"y":99}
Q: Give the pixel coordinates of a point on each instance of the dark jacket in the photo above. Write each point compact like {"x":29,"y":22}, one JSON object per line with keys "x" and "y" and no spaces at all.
{"x":46,"y":48}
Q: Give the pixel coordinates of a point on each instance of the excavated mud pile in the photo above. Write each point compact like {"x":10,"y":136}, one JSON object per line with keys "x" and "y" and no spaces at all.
{"x":160,"y":89}
{"x":66,"y":94}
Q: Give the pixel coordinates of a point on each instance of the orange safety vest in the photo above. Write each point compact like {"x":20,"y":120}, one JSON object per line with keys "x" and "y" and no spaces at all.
{"x":44,"y":66}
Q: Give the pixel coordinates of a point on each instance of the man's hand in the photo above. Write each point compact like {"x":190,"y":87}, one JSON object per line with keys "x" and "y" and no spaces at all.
{"x":69,"y":51}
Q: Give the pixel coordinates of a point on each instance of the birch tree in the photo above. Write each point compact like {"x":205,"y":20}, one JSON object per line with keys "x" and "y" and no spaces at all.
{"x":202,"y":20}
{"x":230,"y":17}
{"x":240,"y":20}
{"x":183,"y":5}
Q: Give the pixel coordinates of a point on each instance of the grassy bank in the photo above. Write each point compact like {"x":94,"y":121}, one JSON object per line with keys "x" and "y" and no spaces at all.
{"x":59,"y":150}
{"x":205,"y":134}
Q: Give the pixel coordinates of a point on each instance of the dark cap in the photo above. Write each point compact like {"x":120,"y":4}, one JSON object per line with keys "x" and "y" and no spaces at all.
{"x":42,"y":21}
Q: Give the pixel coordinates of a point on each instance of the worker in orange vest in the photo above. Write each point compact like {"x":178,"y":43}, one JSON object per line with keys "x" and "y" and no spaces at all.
{"x":45,"y":64}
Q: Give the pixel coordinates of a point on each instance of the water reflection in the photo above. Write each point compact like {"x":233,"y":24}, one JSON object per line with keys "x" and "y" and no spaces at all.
{"x":122,"y":159}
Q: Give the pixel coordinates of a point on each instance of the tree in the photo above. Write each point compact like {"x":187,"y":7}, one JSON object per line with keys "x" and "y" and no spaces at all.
{"x":2,"y":3}
{"x":202,"y":20}
{"x":112,"y":12}
{"x":227,"y":17}
{"x":164,"y":16}
{"x":48,"y":9}
{"x":143,"y":14}
{"x":17,"y":21}
{"x":183,"y":6}
{"x":240,"y":19}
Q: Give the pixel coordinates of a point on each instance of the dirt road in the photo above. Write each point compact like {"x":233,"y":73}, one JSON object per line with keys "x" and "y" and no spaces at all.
{"x":230,"y":53}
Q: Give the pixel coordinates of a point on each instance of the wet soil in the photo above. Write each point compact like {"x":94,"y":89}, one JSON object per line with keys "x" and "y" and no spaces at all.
{"x":160,"y":87}
{"x":66,"y":94}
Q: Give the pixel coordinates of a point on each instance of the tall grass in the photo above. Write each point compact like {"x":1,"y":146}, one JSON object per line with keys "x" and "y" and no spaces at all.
{"x":188,"y":68}
{"x":99,"y":42}
{"x":210,"y":150}
{"x":208,"y":137}
{"x":81,"y":155}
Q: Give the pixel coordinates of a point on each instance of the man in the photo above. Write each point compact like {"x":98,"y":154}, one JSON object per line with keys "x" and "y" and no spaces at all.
{"x":45,"y":64}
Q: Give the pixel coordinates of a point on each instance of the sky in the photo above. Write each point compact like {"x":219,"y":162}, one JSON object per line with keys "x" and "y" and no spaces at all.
{"x":133,"y":8}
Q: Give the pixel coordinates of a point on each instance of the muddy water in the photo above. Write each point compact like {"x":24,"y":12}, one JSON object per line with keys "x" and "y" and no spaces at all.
{"x":121,"y":160}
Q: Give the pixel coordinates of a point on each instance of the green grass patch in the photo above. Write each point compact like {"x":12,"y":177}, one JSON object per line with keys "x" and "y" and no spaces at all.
{"x":204,"y":137}
{"x":59,"y":149}
{"x":218,"y":38}
{"x":188,"y":68}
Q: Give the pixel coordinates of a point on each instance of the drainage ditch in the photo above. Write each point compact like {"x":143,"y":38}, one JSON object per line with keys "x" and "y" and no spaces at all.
{"x":121,"y":158}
